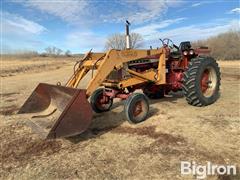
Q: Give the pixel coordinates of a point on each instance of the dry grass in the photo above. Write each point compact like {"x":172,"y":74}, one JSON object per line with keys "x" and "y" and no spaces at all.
{"x":230,"y":63}
{"x":13,"y":65}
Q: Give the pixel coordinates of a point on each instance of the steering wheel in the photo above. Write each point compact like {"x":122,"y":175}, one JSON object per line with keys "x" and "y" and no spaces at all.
{"x":166,"y":42}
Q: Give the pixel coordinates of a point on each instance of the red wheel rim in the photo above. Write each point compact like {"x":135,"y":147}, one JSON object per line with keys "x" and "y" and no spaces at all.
{"x":137,"y":109}
{"x":205,"y":81}
{"x":103,"y":102}
{"x":208,"y":81}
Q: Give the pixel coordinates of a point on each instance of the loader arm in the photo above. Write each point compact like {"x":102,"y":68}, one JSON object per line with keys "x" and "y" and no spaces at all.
{"x":83,"y":68}
{"x":116,"y":58}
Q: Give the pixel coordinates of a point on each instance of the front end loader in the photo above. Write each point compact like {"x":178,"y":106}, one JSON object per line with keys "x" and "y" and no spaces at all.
{"x":63,"y":111}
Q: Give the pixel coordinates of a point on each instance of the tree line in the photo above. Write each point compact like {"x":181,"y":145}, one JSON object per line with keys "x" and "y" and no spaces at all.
{"x":50,"y":51}
{"x":225,"y":46}
{"x":54,"y":51}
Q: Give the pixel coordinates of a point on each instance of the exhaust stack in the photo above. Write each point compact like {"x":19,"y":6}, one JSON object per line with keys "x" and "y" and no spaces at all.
{"x":128,"y":39}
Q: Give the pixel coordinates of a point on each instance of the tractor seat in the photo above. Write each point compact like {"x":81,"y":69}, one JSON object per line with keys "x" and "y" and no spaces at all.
{"x":175,"y":55}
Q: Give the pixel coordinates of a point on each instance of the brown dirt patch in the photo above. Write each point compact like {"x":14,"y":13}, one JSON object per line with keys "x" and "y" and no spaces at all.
{"x":150,"y":132}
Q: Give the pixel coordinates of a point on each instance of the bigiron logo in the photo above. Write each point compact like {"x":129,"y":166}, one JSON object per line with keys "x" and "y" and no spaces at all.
{"x":202,"y":171}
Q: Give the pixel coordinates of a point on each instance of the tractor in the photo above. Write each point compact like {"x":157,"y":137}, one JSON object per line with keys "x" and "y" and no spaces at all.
{"x":64,"y":110}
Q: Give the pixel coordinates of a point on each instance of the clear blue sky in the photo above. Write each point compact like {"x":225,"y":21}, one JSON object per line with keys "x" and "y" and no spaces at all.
{"x":79,"y":25}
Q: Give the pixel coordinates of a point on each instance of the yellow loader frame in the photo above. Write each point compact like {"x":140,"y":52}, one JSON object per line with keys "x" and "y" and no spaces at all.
{"x":105,"y":63}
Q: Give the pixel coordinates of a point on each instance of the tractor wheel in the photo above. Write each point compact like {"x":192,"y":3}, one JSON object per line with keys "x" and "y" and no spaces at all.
{"x":100,"y":103}
{"x":201,"y":81}
{"x":136,"y":108}
{"x":153,"y":92}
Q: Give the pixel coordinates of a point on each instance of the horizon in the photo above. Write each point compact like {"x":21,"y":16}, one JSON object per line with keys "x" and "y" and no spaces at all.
{"x":81,"y":25}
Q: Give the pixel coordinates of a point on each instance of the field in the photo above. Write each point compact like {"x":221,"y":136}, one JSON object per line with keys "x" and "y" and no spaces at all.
{"x":112,"y":148}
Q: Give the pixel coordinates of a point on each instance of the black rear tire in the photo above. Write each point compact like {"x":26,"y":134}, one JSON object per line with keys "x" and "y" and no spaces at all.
{"x":136,"y":108}
{"x":94,"y":101}
{"x":201,"y":81}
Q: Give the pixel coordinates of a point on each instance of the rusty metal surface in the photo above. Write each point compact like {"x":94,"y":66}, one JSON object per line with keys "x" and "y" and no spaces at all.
{"x":58,"y":111}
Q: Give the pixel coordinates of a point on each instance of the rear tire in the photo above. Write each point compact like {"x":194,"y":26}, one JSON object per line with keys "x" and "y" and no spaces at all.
{"x":201,"y":81}
{"x":136,"y":108}
{"x":95,"y":99}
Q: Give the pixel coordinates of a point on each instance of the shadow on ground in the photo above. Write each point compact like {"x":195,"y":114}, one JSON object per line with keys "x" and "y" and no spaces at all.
{"x":104,"y":122}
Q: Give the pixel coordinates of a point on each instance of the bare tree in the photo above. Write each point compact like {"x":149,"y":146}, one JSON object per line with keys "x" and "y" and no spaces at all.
{"x":48,"y":51}
{"x":118,"y":41}
{"x":136,"y":40}
{"x":53,"y":51}
{"x":68,"y":53}
{"x":58,"y":52}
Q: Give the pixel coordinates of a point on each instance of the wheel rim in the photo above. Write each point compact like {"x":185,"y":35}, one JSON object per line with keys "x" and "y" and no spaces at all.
{"x":139,"y":110}
{"x":208,"y":81}
{"x":103,"y":102}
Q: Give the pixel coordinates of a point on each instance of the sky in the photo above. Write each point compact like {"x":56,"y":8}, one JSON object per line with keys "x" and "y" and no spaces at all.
{"x":80,"y":25}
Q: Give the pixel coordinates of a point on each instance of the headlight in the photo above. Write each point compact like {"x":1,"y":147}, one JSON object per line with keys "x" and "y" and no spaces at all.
{"x":191,"y":52}
{"x":185,"y":53}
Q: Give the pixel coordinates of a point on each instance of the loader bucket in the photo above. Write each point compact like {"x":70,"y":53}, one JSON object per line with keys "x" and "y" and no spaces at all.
{"x":57,"y":111}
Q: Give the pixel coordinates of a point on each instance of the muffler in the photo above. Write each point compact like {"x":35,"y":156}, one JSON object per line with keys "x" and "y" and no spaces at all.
{"x":58,"y":111}
{"x":128,"y":39}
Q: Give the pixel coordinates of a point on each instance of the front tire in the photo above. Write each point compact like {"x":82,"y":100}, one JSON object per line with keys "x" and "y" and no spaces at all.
{"x":201,"y":81}
{"x":136,"y":108}
{"x":98,"y":103}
